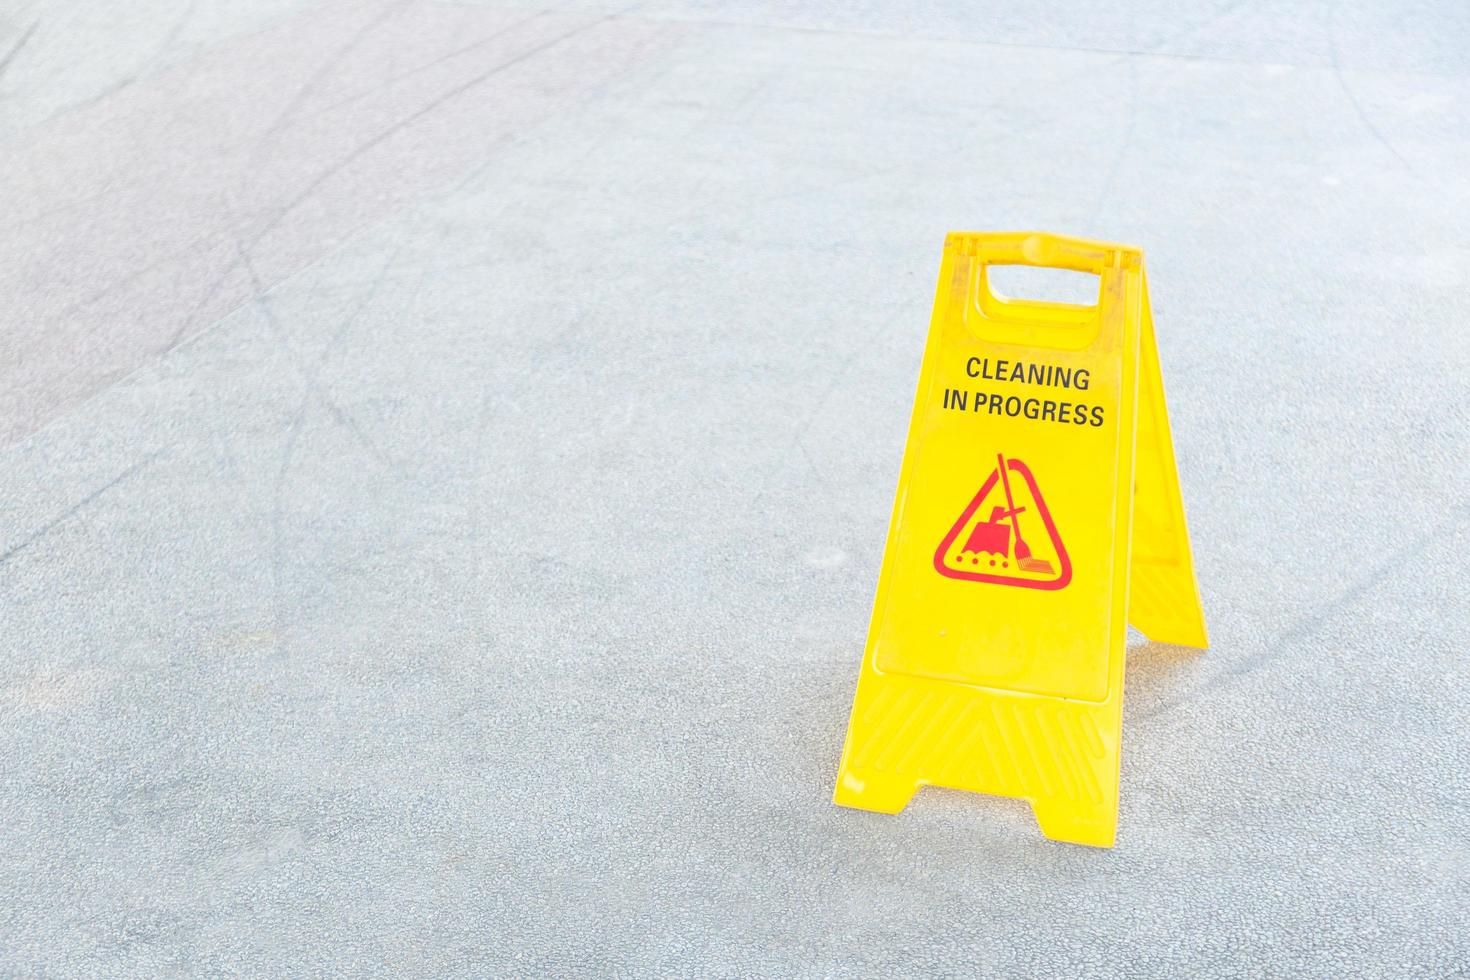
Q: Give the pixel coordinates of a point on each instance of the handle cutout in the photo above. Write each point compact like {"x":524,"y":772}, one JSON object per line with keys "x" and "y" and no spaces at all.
{"x":994,"y":317}
{"x":1034,"y":285}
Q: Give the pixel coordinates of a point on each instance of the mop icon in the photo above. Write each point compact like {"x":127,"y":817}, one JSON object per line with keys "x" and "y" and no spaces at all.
{"x":1022,"y":550}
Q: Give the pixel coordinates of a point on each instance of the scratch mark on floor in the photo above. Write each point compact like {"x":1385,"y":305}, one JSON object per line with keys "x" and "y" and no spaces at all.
{"x":15,"y":48}
{"x":1353,"y":99}
{"x":1323,"y":615}
{"x":76,"y":508}
{"x":1124,"y":146}
{"x":401,"y":124}
{"x":311,"y":377}
{"x":433,"y":63}
{"x":314,"y":82}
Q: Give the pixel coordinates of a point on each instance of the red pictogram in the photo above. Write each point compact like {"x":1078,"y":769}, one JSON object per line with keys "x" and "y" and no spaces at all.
{"x":997,"y":549}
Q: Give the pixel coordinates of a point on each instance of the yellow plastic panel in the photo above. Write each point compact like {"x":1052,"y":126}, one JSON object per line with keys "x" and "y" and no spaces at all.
{"x":994,"y":660}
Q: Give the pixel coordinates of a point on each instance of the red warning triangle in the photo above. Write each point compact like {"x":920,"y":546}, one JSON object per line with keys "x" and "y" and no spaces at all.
{"x":1006,"y":535}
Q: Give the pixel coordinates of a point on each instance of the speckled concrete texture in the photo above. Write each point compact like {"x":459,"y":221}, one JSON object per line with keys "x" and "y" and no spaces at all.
{"x":445,"y":453}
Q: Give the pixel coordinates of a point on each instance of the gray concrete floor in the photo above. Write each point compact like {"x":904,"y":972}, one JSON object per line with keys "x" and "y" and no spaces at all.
{"x":446,"y":448}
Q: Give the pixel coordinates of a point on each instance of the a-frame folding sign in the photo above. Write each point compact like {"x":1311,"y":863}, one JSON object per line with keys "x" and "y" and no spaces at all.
{"x":1038,"y":512}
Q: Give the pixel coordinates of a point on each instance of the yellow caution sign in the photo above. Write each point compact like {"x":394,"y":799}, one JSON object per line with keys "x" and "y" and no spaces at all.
{"x":1038,"y":512}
